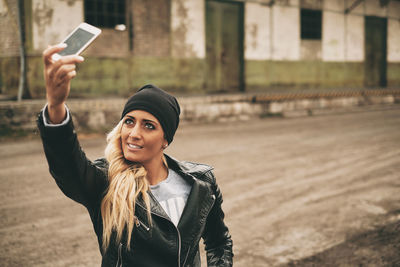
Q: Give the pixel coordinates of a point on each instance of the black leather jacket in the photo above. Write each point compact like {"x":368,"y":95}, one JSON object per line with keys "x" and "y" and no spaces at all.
{"x":162,"y":243}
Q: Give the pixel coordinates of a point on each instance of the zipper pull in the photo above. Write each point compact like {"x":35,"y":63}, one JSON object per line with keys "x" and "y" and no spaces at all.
{"x":139,"y":223}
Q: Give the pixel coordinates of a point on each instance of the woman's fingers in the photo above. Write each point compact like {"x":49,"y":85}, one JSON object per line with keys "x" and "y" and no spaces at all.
{"x":48,"y":53}
{"x":62,"y":66}
{"x":66,"y":78}
{"x":63,"y":70}
{"x":66,"y":60}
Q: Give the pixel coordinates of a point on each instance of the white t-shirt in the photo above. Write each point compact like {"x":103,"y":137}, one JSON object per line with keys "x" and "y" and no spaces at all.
{"x":172,"y":194}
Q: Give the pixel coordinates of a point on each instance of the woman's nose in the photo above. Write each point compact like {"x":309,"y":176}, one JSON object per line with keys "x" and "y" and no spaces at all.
{"x":135,"y":132}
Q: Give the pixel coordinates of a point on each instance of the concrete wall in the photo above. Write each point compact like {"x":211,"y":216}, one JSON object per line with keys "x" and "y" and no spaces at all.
{"x":101,"y":115}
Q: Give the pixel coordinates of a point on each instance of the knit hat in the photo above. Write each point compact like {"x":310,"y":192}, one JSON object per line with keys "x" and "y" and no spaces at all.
{"x":160,"y":104}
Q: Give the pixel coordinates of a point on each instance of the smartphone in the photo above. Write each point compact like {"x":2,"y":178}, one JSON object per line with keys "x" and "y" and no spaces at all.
{"x":78,"y":40}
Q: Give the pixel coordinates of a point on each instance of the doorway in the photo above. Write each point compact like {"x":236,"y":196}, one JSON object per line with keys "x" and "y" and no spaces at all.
{"x":224,"y":46}
{"x":375,"y":52}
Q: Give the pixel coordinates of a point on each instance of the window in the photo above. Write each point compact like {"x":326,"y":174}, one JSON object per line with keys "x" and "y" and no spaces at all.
{"x":105,"y":13}
{"x":311,"y":24}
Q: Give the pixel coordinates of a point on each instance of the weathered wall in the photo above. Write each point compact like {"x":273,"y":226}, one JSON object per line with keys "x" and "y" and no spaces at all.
{"x":333,"y":38}
{"x":286,"y":31}
{"x":354,"y":38}
{"x":151,"y":28}
{"x":393,"y":44}
{"x":188,"y":28}
{"x":257,"y":32}
{"x":9,"y":30}
{"x":9,"y":47}
{"x":303,"y":74}
{"x":168,"y":46}
{"x":393,"y":74}
{"x":122,"y":76}
{"x":275,"y":56}
{"x":9,"y":75}
{"x":52,"y":20}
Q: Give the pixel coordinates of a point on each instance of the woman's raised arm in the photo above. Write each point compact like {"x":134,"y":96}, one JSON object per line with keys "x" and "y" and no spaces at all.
{"x":58,"y":75}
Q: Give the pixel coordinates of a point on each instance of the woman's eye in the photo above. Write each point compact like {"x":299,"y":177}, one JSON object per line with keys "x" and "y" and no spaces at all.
{"x":150,"y":126}
{"x":128,"y":121}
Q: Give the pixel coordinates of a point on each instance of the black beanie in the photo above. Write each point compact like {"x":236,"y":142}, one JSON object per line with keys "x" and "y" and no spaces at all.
{"x":160,"y":104}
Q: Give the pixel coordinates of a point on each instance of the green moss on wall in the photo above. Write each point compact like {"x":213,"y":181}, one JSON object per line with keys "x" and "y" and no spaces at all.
{"x":35,"y":77}
{"x":122,"y":76}
{"x":261,"y":75}
{"x":177,"y":75}
{"x":9,"y":75}
{"x":393,"y":74}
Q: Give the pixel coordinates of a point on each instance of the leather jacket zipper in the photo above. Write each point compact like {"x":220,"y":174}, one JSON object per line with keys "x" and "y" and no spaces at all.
{"x":119,"y":261}
{"x":187,"y":254}
{"x":176,"y":228}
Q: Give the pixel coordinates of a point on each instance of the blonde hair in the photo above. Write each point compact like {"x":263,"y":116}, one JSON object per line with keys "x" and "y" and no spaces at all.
{"x":126,"y":181}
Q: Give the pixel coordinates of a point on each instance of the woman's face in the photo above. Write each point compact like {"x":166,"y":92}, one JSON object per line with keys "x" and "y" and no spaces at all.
{"x":142,"y":137}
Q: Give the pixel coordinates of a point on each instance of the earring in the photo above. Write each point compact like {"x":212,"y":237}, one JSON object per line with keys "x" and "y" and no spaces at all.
{"x":165,"y":146}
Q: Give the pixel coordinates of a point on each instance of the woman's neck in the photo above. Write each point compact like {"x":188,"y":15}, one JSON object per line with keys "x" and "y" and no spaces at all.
{"x":156,"y":172}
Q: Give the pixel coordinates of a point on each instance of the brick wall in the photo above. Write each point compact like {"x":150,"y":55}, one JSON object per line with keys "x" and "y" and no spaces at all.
{"x":151,"y":27}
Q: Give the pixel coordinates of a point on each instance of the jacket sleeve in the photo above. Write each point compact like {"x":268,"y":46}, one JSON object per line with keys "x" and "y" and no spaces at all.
{"x":77,"y":177}
{"x":217,"y":240}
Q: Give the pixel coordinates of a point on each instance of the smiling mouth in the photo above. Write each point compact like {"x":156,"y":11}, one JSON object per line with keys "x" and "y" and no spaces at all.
{"x":134,"y":146}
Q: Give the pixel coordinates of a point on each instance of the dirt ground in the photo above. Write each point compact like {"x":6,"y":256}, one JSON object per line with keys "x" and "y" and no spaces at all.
{"x":310,"y":191}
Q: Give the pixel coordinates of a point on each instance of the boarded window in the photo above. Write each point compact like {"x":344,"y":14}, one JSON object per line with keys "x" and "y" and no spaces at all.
{"x":105,"y":13}
{"x":311,"y":24}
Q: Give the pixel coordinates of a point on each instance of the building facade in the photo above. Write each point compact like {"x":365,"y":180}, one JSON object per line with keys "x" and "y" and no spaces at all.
{"x":201,"y":46}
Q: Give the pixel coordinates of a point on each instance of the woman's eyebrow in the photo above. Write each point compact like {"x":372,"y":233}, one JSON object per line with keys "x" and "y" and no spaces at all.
{"x":145,"y":120}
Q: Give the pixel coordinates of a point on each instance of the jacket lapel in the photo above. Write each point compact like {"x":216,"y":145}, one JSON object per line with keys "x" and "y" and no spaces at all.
{"x":197,"y":207}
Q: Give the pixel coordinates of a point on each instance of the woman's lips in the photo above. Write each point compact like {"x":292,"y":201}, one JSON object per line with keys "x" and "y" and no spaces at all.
{"x":133,"y":146}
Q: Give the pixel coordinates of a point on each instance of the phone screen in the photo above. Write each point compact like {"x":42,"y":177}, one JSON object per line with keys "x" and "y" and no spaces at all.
{"x":76,"y":41}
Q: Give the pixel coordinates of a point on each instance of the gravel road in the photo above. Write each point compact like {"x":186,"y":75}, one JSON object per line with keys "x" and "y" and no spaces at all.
{"x":310,"y":191}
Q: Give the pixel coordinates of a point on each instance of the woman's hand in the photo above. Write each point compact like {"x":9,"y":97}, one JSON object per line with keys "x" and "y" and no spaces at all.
{"x":58,"y":75}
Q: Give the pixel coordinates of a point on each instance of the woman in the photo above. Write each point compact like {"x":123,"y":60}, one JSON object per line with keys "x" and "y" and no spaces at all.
{"x":147,"y":208}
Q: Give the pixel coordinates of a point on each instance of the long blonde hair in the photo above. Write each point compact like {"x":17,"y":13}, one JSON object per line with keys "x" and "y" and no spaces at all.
{"x":126,"y":181}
